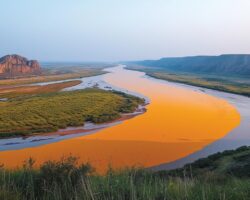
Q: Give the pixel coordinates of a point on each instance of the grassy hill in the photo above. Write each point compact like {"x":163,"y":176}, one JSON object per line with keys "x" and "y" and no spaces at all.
{"x":228,"y":163}
{"x":218,"y":177}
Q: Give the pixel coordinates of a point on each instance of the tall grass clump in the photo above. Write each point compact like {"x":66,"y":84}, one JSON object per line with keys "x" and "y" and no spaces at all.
{"x":67,"y":179}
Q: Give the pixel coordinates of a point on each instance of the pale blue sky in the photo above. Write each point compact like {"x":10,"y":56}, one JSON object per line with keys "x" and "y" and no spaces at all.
{"x":112,"y":30}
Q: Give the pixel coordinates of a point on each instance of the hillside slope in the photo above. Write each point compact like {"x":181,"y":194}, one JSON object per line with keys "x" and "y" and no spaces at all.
{"x":233,"y":64}
{"x":230,"y":162}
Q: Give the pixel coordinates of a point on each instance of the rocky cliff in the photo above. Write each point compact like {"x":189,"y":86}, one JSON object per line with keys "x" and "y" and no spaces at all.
{"x":15,"y":65}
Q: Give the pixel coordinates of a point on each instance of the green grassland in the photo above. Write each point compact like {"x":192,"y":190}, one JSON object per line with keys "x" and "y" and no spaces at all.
{"x":50,"y":111}
{"x":234,"y":85}
{"x":205,"y":179}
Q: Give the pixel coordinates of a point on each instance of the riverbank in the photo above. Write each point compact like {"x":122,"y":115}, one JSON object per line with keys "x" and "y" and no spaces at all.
{"x":234,"y":85}
{"x":217,"y":84}
{"x":89,"y":127}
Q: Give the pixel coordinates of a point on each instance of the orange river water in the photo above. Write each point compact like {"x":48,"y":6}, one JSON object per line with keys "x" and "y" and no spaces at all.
{"x":177,"y":123}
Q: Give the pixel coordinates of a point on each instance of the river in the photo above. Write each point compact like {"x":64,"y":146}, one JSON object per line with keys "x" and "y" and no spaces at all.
{"x":179,"y":121}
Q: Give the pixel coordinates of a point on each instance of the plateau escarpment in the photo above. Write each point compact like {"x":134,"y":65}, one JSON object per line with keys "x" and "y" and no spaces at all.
{"x":230,"y":64}
{"x":15,"y":65}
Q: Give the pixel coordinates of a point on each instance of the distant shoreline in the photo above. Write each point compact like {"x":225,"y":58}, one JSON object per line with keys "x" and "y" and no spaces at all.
{"x":191,"y":81}
{"x":199,"y":85}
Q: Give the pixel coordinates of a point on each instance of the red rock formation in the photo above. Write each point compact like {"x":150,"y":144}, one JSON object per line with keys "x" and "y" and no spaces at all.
{"x":15,"y":65}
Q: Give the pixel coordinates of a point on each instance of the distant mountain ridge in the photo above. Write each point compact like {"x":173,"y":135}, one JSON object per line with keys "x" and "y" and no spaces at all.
{"x":231,"y":64}
{"x":15,"y":65}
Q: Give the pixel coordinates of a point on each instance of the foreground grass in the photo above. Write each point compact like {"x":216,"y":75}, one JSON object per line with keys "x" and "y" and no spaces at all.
{"x":66,"y":179}
{"x":49,"y":111}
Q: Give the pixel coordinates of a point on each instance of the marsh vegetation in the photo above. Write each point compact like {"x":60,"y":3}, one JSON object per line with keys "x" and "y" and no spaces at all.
{"x":46,"y":110}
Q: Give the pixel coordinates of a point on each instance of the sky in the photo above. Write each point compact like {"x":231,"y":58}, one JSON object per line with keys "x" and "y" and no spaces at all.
{"x":118,"y":30}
